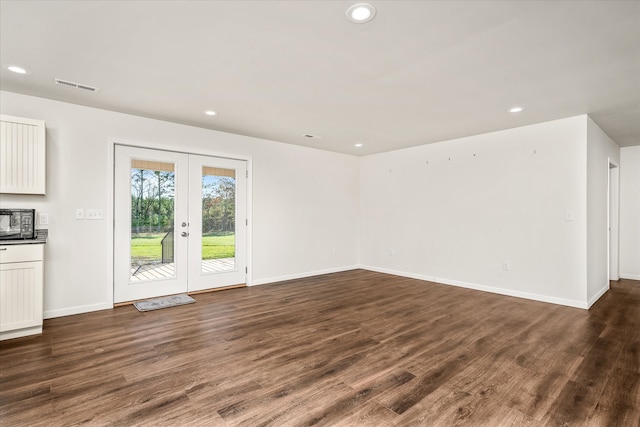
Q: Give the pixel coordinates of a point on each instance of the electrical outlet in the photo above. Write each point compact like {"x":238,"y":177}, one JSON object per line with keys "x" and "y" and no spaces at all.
{"x":44,"y":219}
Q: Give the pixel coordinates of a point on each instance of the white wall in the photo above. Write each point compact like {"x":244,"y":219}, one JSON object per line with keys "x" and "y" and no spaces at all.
{"x":601,"y":151}
{"x":304,"y":200}
{"x":452,"y":212}
{"x":630,"y":212}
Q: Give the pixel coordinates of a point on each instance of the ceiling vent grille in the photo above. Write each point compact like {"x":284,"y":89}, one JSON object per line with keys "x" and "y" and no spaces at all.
{"x":67,"y":83}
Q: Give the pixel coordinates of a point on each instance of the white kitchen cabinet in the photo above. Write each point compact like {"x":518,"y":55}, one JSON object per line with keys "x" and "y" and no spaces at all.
{"x":21,"y":290}
{"x":22,"y":155}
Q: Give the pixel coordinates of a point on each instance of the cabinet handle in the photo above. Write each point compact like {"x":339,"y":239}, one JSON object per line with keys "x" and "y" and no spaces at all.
{"x":3,"y":249}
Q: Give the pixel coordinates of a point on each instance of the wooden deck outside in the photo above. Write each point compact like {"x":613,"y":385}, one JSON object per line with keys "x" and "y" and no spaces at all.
{"x":166,"y":271}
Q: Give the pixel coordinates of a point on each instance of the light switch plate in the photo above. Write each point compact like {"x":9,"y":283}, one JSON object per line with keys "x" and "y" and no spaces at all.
{"x":79,"y":213}
{"x":95,"y":214}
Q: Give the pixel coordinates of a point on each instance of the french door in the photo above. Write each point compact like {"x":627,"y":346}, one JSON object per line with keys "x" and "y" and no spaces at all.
{"x":180,"y":223}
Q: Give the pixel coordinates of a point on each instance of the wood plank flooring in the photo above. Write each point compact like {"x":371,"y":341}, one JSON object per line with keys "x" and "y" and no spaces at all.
{"x":349,"y":349}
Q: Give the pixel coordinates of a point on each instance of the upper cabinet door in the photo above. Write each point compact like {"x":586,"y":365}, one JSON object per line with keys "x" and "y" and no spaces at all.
{"x":22,"y":155}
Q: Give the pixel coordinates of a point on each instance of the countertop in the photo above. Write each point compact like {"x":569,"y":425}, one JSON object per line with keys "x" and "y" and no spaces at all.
{"x":41,"y":239}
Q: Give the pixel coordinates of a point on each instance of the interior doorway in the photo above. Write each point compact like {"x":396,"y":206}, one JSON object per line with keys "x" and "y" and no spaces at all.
{"x":613,"y":217}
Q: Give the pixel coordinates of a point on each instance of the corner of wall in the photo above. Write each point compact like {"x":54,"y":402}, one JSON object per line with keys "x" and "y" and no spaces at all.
{"x":602,"y":152}
{"x":457,"y":210}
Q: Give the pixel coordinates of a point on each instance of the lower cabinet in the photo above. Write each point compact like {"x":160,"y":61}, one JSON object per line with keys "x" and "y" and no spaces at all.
{"x":21,"y":290}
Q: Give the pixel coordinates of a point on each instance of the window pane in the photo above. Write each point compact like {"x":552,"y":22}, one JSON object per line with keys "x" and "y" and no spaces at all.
{"x":152,"y":216}
{"x":218,"y":220}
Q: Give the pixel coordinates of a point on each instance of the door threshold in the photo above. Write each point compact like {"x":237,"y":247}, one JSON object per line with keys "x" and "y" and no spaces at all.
{"x":222,"y":288}
{"x":202,"y":291}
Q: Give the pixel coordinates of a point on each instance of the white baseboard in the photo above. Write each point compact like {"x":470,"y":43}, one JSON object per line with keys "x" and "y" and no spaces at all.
{"x":302,"y":275}
{"x":484,"y":288}
{"x":50,"y":314}
{"x":630,"y":276}
{"x":597,"y":296}
{"x":24,"y":332}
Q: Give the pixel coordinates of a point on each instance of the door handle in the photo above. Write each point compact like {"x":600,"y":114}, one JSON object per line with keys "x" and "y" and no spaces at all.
{"x":184,"y":234}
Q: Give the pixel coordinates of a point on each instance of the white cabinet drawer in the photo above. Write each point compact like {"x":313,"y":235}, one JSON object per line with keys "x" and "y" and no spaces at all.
{"x":21,"y":253}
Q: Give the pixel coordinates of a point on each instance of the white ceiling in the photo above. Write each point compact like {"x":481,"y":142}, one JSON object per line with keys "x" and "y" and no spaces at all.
{"x":420,"y":72}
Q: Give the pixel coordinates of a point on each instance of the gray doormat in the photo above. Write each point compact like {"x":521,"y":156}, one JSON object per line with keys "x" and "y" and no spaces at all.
{"x":163,"y":302}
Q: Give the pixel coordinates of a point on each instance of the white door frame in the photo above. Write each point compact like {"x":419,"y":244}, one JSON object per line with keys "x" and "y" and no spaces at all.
{"x":109,"y":218}
{"x":613,"y":221}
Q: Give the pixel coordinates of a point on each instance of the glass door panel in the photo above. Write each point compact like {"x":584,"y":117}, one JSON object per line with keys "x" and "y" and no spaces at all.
{"x":218,"y":220}
{"x":217,"y":210}
{"x":150,"y":223}
{"x":152,"y":218}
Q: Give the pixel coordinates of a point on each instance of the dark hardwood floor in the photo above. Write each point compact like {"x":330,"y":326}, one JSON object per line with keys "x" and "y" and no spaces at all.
{"x":353,"y":349}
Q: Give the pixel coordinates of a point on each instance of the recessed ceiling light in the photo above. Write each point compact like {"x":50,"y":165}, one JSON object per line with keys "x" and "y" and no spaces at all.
{"x":17,"y":69}
{"x":515,"y":109}
{"x":358,"y":145}
{"x":360,"y":13}
{"x":211,"y":113}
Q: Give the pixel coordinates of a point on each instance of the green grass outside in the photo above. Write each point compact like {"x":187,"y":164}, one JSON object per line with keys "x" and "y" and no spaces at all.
{"x":146,"y":247}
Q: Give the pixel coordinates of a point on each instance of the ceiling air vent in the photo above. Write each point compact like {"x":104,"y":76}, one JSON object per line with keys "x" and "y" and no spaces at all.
{"x":76,"y":85}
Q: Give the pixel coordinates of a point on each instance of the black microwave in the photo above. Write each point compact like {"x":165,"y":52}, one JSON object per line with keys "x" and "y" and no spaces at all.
{"x":17,"y":224}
